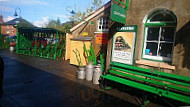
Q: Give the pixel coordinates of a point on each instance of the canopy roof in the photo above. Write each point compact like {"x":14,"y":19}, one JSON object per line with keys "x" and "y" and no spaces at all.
{"x":37,"y":29}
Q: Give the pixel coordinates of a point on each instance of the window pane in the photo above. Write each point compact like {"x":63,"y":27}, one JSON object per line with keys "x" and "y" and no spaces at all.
{"x":153,"y":33}
{"x":104,"y":22}
{"x":167,"y":34}
{"x":151,"y":49}
{"x":166,"y":49}
{"x":107,"y":22}
{"x":101,"y":19}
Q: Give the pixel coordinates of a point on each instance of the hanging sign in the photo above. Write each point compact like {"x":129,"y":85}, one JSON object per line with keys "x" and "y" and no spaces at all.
{"x":124,"y":45}
{"x":118,"y":13}
{"x":101,"y":38}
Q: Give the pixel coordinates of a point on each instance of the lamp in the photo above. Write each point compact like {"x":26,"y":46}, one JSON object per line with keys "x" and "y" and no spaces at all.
{"x":72,"y":12}
{"x":16,"y":14}
{"x":17,"y":22}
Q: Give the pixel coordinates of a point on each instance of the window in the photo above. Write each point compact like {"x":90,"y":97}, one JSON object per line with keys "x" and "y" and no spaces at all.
{"x":159,"y":36}
{"x":8,"y":31}
{"x":103,"y":24}
{"x":8,"y":26}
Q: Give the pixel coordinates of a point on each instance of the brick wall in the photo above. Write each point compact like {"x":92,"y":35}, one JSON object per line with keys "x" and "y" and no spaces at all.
{"x":8,"y":30}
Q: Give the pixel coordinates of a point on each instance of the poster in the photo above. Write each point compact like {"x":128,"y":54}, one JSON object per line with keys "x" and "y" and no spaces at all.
{"x":101,"y":38}
{"x":123,"y":47}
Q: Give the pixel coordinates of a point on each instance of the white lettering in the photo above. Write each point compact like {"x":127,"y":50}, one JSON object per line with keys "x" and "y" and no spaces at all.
{"x":119,"y":14}
{"x":125,"y":28}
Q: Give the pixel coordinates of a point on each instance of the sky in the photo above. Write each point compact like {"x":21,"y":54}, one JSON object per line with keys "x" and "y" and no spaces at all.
{"x":39,"y":12}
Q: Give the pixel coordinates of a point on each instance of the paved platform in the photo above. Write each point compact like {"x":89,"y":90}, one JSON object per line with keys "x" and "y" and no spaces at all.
{"x":37,"y":82}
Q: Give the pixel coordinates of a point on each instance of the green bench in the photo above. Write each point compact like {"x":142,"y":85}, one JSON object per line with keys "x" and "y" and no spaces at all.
{"x":160,"y":83}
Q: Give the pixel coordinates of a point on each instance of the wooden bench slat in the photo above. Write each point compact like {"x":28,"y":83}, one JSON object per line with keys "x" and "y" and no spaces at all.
{"x":154,"y":77}
{"x":151,"y":89}
{"x":155,"y":83}
{"x":174,"y":76}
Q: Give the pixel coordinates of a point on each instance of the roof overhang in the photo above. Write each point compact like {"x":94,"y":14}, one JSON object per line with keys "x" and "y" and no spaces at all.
{"x":97,"y":12}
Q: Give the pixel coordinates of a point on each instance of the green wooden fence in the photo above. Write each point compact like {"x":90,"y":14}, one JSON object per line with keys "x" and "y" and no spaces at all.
{"x":41,"y":42}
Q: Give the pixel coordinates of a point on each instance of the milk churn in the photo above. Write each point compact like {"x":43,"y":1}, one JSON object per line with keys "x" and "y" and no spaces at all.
{"x":89,"y":71}
{"x":12,"y":49}
{"x":97,"y":74}
{"x":81,"y":73}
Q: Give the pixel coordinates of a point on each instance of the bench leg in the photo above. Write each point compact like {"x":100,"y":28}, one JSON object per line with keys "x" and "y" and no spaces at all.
{"x":145,"y":101}
{"x":102,"y":83}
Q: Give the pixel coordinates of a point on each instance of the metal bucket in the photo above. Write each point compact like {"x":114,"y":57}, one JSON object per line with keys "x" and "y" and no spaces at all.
{"x":97,"y":74}
{"x":81,"y":73}
{"x":89,"y":71}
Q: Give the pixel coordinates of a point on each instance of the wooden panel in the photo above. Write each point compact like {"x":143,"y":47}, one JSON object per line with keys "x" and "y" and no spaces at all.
{"x":68,"y":46}
{"x":78,"y":45}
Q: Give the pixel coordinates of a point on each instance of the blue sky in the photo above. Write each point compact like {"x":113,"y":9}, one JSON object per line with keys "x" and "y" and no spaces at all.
{"x":39,"y":12}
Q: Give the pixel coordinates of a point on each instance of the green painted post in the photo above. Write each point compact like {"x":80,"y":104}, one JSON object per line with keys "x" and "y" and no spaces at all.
{"x":0,"y":37}
{"x":102,"y":62}
{"x":127,"y":4}
{"x":35,"y":45}
{"x":93,"y":55}
{"x":86,"y":52}
{"x":7,"y":42}
{"x":56,"y":40}
{"x":17,"y":40}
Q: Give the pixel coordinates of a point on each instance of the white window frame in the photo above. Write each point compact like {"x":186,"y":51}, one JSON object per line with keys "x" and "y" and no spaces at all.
{"x":158,"y":58}
{"x":101,"y":25}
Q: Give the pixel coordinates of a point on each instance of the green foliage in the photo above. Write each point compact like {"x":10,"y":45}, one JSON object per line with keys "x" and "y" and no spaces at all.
{"x":90,"y":54}
{"x":51,"y":24}
{"x":76,"y":18}
{"x":79,"y":16}
{"x":56,"y":24}
{"x":78,"y":57}
{"x":96,"y":4}
{"x":24,"y":24}
{"x":66,"y":28}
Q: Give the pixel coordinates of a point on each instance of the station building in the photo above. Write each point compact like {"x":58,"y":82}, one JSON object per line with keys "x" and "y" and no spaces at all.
{"x":162,"y":33}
